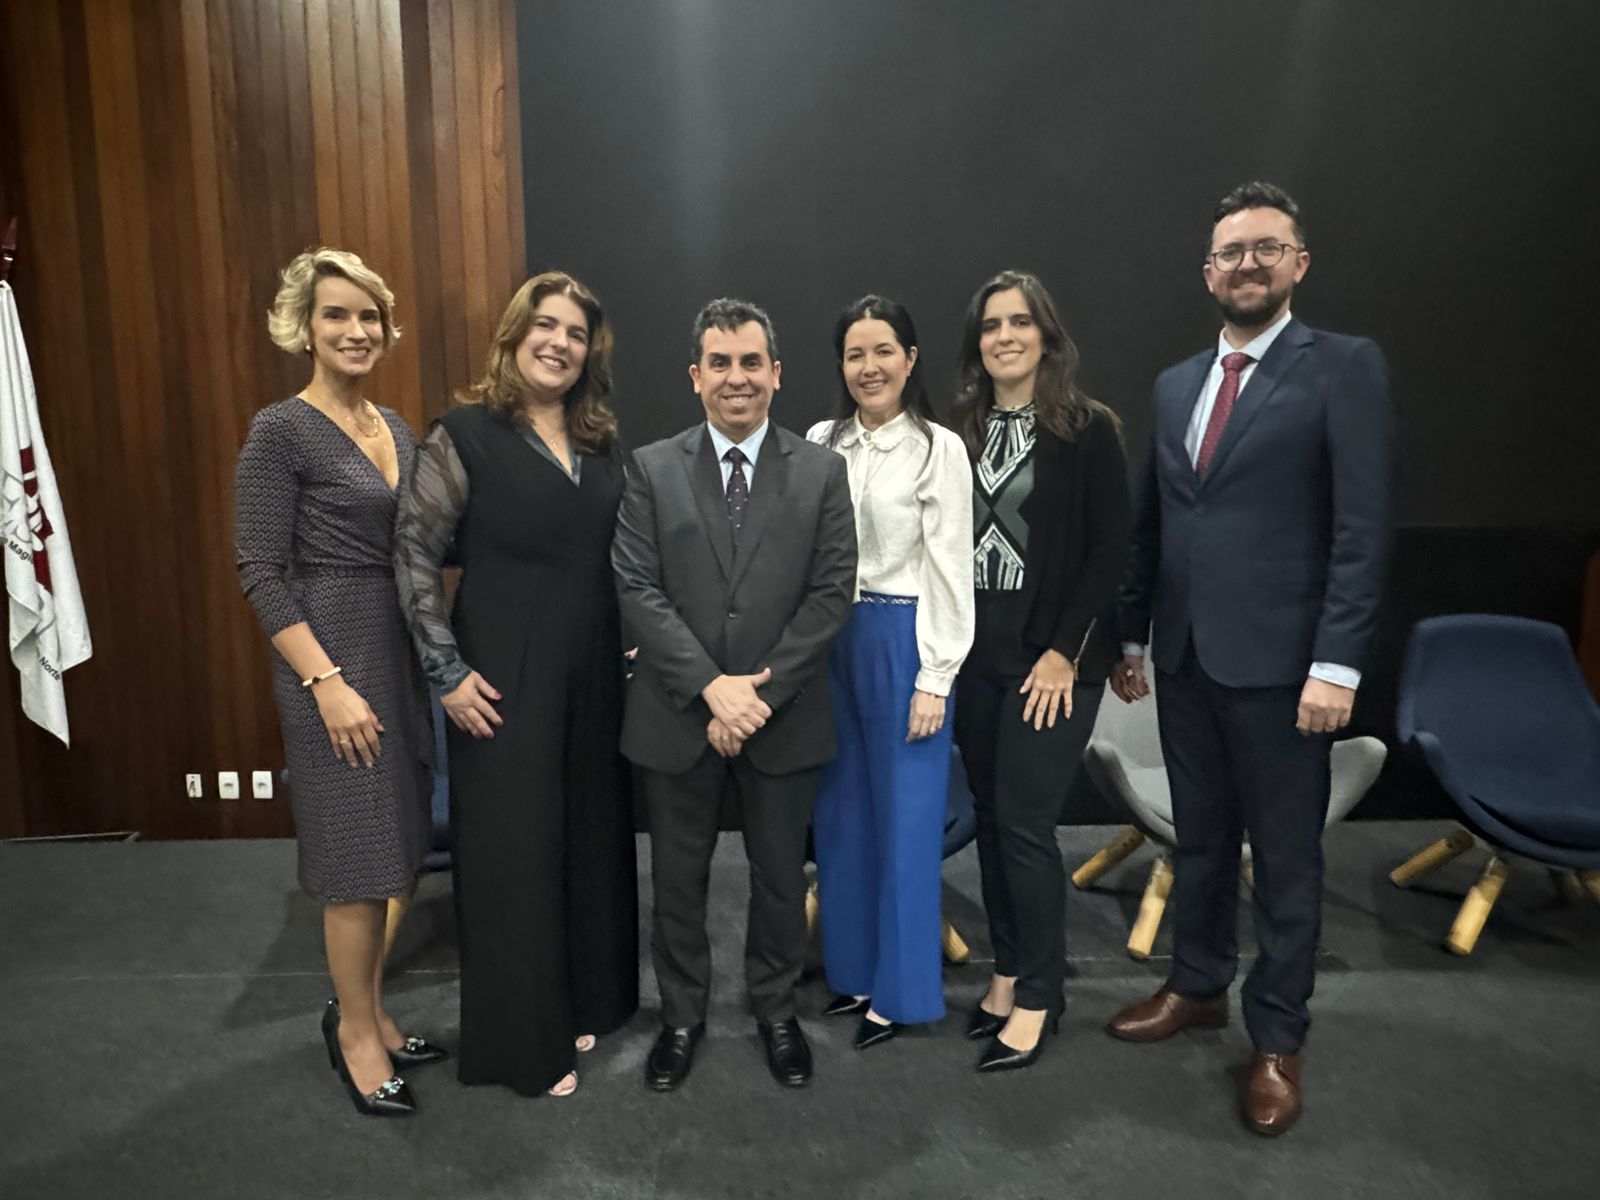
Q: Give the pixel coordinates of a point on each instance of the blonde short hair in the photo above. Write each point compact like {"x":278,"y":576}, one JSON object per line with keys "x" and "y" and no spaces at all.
{"x":289,"y":318}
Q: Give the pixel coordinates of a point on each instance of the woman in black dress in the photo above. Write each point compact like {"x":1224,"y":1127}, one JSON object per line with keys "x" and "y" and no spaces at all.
{"x":315,"y":488}
{"x":523,"y":479}
{"x":1051,"y":519}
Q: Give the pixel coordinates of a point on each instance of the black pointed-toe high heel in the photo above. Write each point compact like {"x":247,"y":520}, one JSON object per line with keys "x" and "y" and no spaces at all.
{"x":983,"y":1023}
{"x":844,"y":1004}
{"x":997,"y":1056}
{"x":417,"y":1052}
{"x":413,"y":1052}
{"x":871,"y":1033}
{"x":391,"y":1098}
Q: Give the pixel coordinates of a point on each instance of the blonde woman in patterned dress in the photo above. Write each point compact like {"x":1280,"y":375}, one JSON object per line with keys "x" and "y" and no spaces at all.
{"x":315,"y":496}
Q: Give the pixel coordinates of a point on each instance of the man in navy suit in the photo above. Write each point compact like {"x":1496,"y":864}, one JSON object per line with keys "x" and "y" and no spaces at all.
{"x":1258,"y":563}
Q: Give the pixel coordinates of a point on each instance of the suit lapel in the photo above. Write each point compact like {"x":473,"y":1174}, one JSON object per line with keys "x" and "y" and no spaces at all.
{"x":1280,"y":359}
{"x":705,"y":481}
{"x":1178,"y":406}
{"x":766,"y":497}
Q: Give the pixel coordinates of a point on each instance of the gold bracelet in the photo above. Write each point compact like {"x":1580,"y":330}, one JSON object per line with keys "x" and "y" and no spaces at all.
{"x":311,"y":679}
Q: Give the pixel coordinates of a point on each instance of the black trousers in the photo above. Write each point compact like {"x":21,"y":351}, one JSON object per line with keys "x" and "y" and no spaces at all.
{"x":775,"y":812}
{"x":1237,"y":765}
{"x":1019,"y":779}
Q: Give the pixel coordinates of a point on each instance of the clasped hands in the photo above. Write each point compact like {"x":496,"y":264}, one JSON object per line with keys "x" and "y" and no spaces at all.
{"x":1324,"y":707}
{"x":737,"y":711}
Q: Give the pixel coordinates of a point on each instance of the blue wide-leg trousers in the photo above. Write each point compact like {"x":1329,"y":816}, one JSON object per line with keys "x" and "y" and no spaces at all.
{"x":879,"y":821}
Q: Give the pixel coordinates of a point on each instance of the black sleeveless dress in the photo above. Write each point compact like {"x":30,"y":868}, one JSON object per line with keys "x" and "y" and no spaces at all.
{"x":545,"y":875}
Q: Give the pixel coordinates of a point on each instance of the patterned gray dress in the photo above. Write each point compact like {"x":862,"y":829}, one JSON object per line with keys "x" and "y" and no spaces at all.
{"x":314,"y":535}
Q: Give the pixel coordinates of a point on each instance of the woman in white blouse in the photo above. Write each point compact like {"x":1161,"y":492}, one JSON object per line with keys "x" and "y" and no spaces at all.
{"x":880,"y":809}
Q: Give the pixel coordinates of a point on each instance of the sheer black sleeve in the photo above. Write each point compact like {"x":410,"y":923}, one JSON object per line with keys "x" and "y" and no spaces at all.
{"x":425,"y":527}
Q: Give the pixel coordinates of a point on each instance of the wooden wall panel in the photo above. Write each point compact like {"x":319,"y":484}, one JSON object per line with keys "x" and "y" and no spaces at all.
{"x":165,"y":161}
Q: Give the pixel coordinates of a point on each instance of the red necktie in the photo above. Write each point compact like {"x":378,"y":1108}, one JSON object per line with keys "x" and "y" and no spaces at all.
{"x":1233,"y":366}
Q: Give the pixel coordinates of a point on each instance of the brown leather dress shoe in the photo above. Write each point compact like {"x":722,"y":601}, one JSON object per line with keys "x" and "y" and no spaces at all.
{"x":1271,"y":1100}
{"x":1165,"y":1014}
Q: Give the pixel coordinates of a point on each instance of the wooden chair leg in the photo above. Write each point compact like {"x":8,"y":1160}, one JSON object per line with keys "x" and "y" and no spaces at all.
{"x":1151,"y":908}
{"x":953,"y":944}
{"x":1591,"y":883}
{"x":1476,"y":907}
{"x":1124,"y":844}
{"x":813,"y":910}
{"x":1430,"y":858}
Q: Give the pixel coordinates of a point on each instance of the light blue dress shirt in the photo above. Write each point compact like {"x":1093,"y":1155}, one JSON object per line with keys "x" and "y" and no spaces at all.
{"x":750,"y":447}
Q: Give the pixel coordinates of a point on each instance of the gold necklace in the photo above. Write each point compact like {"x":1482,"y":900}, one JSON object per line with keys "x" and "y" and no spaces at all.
{"x":353,"y":420}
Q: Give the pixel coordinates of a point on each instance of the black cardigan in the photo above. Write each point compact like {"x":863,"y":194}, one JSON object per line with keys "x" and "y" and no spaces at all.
{"x":1079,"y":520}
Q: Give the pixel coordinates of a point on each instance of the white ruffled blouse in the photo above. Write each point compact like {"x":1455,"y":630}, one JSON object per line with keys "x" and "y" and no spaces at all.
{"x":914,"y":532}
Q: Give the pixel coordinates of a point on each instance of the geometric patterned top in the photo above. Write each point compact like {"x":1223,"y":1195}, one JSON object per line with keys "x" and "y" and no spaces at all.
{"x":1002,"y":482}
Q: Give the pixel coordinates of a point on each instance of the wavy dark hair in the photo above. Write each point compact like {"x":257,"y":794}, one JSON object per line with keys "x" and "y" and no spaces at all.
{"x":1061,"y":406}
{"x":914,"y":400}
{"x":1258,"y":193}
{"x":591,"y":424}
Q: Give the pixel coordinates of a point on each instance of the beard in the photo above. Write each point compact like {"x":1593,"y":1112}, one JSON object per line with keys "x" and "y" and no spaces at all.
{"x":1257,"y":315}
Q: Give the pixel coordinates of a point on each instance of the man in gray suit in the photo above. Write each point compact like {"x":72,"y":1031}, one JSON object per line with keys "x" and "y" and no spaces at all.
{"x":735,"y":555}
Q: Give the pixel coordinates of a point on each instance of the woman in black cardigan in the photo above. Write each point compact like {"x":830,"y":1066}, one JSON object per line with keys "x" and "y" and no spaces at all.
{"x":1051,"y":521}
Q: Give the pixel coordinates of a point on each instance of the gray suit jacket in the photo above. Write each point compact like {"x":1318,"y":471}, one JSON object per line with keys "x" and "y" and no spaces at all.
{"x":698,"y":606}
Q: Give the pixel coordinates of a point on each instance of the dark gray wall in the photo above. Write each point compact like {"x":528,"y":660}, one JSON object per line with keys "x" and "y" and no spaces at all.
{"x":802,"y":154}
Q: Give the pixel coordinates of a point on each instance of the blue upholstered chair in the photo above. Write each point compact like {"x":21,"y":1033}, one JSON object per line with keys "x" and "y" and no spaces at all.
{"x":438,"y":856}
{"x":1497,"y":711}
{"x":960,"y":827}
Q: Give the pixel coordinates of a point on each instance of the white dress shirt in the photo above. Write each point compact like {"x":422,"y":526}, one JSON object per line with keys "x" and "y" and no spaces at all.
{"x":914,"y":532}
{"x":750,"y":448}
{"x":1256,"y":348}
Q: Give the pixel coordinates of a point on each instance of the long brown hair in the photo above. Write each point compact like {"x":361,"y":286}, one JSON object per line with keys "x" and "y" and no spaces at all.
{"x":1060,"y":405}
{"x":591,"y":425}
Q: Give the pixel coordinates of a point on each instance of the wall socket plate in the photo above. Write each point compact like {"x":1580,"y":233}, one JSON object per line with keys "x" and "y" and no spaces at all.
{"x":194,"y":786}
{"x":227,"y":785}
{"x":261,"y":785}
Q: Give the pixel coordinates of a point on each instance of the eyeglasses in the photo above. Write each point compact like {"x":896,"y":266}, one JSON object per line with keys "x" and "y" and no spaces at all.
{"x":1267,"y":252}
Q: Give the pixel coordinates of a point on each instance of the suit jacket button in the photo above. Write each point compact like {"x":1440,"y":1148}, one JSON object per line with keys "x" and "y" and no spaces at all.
{"x":732,"y":613}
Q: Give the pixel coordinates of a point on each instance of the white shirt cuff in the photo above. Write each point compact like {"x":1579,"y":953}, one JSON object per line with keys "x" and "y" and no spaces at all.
{"x":1133,"y":649}
{"x":935,"y":683}
{"x":1333,"y":673}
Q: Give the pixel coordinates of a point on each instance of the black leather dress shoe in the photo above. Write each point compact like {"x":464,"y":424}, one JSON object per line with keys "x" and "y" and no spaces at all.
{"x":668,"y":1063}
{"x":844,"y":1004}
{"x":983,"y":1023}
{"x":870,"y":1032}
{"x":788,"y":1052}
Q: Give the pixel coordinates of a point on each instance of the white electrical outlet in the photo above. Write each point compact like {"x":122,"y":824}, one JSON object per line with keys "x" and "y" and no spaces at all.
{"x":193,"y":787}
{"x":227,"y":785}
{"x":261,"y":785}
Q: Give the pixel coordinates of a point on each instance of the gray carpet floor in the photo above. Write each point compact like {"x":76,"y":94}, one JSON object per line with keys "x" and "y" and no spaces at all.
{"x":158,"y":1037}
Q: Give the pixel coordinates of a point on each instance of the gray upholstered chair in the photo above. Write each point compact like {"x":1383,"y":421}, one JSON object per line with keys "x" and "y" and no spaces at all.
{"x":1123,"y":760}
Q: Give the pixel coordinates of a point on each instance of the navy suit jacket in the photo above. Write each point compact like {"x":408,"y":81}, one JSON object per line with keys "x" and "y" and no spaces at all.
{"x":1276,"y":557}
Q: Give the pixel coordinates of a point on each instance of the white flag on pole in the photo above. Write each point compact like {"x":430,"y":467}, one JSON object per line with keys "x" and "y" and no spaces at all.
{"x":49,"y":631}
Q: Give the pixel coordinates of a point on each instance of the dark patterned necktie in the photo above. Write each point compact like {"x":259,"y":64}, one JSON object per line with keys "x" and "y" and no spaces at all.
{"x":738,"y":488}
{"x":1233,"y":366}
